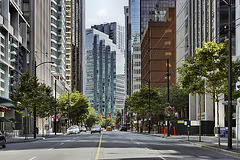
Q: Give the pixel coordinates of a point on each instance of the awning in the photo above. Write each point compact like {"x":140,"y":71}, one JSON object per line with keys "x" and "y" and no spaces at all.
{"x":2,"y":119}
{"x":6,"y":102}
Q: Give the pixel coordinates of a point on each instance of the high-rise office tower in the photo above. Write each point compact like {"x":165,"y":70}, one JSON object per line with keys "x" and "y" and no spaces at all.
{"x":58,"y":38}
{"x":101,"y":69}
{"x":133,"y":47}
{"x":201,"y":21}
{"x":115,"y":31}
{"x":78,"y":44}
{"x":13,"y":54}
{"x":154,"y":10}
{"x":68,"y":40}
{"x":38,"y":15}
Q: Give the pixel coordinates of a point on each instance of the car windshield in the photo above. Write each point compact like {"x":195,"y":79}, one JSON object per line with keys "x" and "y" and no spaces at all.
{"x":95,"y":126}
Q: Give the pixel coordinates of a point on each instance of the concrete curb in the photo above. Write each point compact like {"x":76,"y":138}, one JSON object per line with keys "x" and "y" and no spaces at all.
{"x":228,"y":152}
{"x":213,"y":148}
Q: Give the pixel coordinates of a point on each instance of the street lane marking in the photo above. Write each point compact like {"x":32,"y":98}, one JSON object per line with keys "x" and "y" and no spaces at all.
{"x":50,"y":149}
{"x":61,"y":144}
{"x":98,"y":150}
{"x":146,"y":148}
{"x":162,"y":158}
{"x":32,"y":158}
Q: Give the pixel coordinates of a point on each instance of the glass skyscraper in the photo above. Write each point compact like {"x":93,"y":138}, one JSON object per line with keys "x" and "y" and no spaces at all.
{"x":101,"y":67}
{"x":154,"y":10}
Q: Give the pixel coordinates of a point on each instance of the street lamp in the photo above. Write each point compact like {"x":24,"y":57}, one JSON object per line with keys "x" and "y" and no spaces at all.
{"x":68,"y":106}
{"x":34,"y":109}
{"x":229,"y":4}
{"x":148,"y":81}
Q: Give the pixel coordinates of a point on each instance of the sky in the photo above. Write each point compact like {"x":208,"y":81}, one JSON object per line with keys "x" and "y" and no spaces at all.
{"x":105,"y":11}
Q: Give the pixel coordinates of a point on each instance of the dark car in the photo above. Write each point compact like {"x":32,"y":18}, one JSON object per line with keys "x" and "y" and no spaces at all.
{"x":2,"y":140}
{"x":123,"y":128}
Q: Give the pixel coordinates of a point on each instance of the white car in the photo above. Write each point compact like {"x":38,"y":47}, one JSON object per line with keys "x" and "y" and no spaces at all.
{"x":96,"y":128}
{"x":83,"y":129}
{"x":73,"y":130}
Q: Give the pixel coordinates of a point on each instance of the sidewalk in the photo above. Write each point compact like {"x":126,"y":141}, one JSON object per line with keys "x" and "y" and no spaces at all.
{"x":30,"y":138}
{"x":208,"y":142}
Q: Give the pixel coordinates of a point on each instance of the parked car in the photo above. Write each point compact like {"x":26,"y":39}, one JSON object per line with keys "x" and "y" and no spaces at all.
{"x":123,"y":128}
{"x":2,"y":140}
{"x":96,"y":128}
{"x":109,"y":128}
{"x":83,"y":129}
{"x":73,"y":130}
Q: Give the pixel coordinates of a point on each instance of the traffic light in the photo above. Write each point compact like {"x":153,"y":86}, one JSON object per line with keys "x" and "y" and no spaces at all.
{"x":108,"y":116}
{"x":100,"y":116}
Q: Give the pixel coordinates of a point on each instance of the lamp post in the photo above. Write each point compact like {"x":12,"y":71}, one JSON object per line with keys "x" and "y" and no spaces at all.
{"x":34,"y":109}
{"x":148,"y":81}
{"x":68,"y":106}
{"x":229,"y":4}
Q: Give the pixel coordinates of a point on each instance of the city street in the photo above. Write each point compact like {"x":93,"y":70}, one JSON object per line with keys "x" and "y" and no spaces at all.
{"x":114,"y":145}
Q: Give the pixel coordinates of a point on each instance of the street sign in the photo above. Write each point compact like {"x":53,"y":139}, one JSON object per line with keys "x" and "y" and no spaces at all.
{"x":222,"y":132}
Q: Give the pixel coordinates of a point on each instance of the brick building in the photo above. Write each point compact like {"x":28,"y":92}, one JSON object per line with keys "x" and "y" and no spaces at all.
{"x":157,"y":44}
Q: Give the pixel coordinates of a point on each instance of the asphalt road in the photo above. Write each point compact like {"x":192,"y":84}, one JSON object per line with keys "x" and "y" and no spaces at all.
{"x":111,"y":145}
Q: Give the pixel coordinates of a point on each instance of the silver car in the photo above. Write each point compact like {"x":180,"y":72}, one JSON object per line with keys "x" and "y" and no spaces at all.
{"x":96,"y":128}
{"x":73,"y":130}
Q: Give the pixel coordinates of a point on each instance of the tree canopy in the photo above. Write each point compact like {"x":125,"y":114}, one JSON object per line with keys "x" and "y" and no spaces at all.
{"x":78,"y":106}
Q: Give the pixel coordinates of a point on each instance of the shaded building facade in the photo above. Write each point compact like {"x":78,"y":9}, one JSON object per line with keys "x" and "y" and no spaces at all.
{"x":77,"y":57}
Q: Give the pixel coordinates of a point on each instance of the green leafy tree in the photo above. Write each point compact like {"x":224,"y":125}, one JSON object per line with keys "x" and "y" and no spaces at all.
{"x":24,"y":93}
{"x":92,"y":117}
{"x":47,"y":102}
{"x":78,"y":109}
{"x":210,"y":67}
{"x":178,"y":98}
{"x":118,"y":117}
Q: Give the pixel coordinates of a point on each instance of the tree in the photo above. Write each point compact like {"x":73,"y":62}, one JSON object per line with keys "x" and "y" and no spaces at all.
{"x":23,"y":94}
{"x":92,"y":118}
{"x":209,"y":67}
{"x":78,"y":109}
{"x":177,"y":98}
{"x":119,"y":116}
{"x":47,"y":102}
{"x":28,"y":93}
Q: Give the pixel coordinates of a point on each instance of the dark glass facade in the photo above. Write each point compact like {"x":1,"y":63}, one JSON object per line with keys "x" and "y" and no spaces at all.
{"x":154,"y":10}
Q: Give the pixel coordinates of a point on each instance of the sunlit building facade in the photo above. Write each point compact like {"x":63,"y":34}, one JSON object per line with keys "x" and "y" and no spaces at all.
{"x":101,"y":70}
{"x":58,"y":38}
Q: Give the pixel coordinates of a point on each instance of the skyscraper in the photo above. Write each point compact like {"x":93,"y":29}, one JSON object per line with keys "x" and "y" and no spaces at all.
{"x":101,"y":72}
{"x":133,"y":47}
{"x":115,"y":32}
{"x":154,"y":10}
{"x":58,"y":38}
{"x":198,"y":22}
{"x":13,"y":54}
{"x":75,"y":37}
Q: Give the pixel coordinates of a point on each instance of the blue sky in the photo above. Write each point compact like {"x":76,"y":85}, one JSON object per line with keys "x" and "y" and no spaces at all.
{"x":105,"y":11}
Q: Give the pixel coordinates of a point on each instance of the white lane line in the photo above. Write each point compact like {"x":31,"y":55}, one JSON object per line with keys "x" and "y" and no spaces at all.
{"x":32,"y":158}
{"x":162,"y":158}
{"x":138,"y":143}
{"x":146,"y":148}
{"x":61,"y":144}
{"x":50,"y":149}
